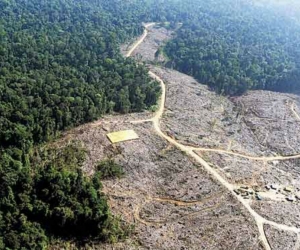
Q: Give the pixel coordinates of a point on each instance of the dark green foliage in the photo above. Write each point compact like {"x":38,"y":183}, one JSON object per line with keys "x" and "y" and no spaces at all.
{"x":109,"y":169}
{"x":54,"y":199}
{"x":60,"y":67}
{"x":234,"y":46}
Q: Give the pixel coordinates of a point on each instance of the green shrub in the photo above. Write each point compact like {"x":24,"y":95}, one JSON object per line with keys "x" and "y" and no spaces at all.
{"x":109,"y":169}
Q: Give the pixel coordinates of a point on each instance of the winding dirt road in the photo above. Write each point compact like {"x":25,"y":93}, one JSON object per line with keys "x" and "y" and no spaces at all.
{"x":260,"y":221}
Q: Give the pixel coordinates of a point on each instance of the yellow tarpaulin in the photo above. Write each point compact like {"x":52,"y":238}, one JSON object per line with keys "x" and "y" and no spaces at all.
{"x":124,"y":135}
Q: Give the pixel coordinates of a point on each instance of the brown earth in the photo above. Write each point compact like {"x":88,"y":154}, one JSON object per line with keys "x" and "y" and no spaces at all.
{"x":156,"y":38}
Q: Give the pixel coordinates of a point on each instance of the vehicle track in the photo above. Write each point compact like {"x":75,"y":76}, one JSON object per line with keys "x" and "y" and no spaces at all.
{"x":152,"y":222}
{"x":177,"y":203}
{"x":260,"y":221}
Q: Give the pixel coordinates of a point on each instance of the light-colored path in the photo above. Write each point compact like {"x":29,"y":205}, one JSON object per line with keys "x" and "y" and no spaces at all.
{"x":139,"y":41}
{"x":177,"y":203}
{"x":294,"y":111}
{"x":257,"y":158}
{"x":260,"y":221}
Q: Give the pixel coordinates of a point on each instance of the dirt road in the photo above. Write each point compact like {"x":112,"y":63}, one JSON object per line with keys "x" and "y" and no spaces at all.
{"x":260,"y":221}
{"x":139,"y":41}
{"x":257,"y":158}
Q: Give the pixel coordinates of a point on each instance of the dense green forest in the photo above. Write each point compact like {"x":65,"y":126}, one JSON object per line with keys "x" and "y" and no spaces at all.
{"x":60,"y":68}
{"x":234,"y":46}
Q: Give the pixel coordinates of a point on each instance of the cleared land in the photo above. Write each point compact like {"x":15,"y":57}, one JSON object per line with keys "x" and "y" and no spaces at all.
{"x":243,"y":144}
{"x":146,"y":51}
{"x":173,"y":202}
{"x":259,"y":123}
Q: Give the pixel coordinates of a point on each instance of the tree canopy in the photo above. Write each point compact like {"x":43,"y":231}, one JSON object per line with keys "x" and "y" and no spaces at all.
{"x":51,"y":198}
{"x":60,"y":67}
{"x":234,"y":46}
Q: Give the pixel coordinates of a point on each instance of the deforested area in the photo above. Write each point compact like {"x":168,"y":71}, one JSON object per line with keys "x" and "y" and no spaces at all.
{"x":227,"y":132}
{"x":151,"y":50}
{"x":258,"y":123}
{"x":169,"y":198}
{"x":172,"y":201}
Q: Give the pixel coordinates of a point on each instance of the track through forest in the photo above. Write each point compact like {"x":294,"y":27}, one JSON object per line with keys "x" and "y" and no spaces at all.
{"x":190,"y":151}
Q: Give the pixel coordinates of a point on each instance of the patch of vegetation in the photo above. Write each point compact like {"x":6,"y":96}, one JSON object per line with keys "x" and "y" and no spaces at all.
{"x":109,"y":169}
{"x":60,"y":66}
{"x":153,"y":108}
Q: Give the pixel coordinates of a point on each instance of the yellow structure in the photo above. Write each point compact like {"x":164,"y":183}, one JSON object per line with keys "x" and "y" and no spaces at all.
{"x":124,"y":135}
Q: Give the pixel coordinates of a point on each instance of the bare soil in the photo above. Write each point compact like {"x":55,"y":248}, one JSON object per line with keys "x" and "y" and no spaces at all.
{"x":256,"y":173}
{"x":287,"y":213}
{"x":271,"y":119}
